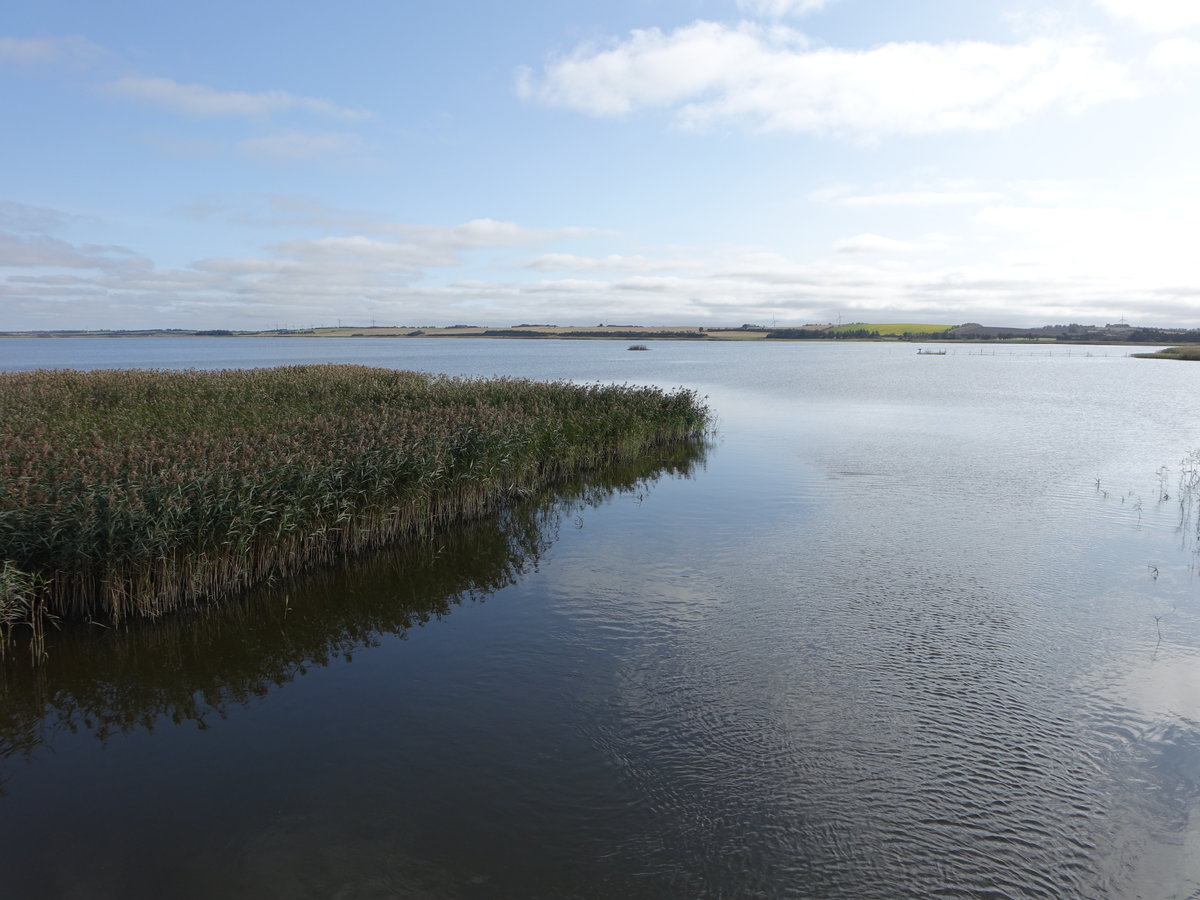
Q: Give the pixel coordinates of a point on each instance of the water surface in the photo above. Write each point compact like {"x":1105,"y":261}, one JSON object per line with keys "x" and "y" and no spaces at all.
{"x":914,"y":626}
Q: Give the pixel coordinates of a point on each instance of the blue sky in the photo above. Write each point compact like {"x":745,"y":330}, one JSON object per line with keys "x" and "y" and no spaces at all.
{"x":264,"y":164}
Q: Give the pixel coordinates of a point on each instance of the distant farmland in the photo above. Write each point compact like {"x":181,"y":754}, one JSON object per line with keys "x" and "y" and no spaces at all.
{"x":890,"y":328}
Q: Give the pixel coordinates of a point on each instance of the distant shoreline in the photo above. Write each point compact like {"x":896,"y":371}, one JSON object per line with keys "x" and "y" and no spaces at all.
{"x":859,"y":331}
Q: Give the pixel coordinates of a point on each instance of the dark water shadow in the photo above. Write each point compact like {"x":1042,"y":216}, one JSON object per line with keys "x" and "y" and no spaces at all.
{"x":195,"y":666}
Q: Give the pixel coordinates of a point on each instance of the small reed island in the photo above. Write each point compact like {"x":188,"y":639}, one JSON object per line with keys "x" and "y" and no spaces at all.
{"x":127,"y":494}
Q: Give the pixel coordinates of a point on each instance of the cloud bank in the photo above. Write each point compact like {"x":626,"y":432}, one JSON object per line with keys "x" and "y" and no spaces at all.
{"x":1155,"y":15}
{"x":1072,"y":263}
{"x":708,"y":74}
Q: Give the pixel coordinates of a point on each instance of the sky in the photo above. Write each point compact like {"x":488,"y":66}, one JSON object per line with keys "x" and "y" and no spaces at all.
{"x":268,"y":164}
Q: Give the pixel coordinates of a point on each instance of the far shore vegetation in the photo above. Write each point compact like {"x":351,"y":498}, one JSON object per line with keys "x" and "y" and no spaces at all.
{"x":130,"y":494}
{"x":971,"y":332}
{"x":1190,"y":352}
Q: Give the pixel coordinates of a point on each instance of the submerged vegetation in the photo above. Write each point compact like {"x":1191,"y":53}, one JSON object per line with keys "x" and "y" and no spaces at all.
{"x":21,"y":605}
{"x":135,"y":493}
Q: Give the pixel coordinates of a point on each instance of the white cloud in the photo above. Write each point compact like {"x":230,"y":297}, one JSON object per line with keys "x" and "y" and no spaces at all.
{"x":708,"y":73}
{"x":201,"y":100}
{"x":872,"y":243}
{"x":72,"y":51}
{"x":778,"y":9}
{"x":951,"y":192}
{"x":42,"y":251}
{"x":919,"y":198}
{"x":1174,"y":54}
{"x":1043,"y":264}
{"x":23,"y":217}
{"x":656,"y":69}
{"x":358,"y":249}
{"x":731,"y":289}
{"x":614,"y":262}
{"x":1156,"y":15}
{"x":481,"y":233}
{"x":1153,"y":244}
{"x":1034,"y":22}
{"x":415,"y":248}
{"x":186,"y":148}
{"x":296,"y":211}
{"x":557,"y":287}
{"x":299,"y":146}
{"x":283,"y":211}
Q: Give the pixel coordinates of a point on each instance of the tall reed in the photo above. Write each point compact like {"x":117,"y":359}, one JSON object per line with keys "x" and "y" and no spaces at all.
{"x":197,"y":666}
{"x":134,"y":493}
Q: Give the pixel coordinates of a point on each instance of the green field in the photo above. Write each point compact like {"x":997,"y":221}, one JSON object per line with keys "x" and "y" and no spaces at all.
{"x":891,"y":328}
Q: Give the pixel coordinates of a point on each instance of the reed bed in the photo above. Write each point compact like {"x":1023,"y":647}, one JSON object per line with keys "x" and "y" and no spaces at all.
{"x":135,"y":493}
{"x":198,"y":664}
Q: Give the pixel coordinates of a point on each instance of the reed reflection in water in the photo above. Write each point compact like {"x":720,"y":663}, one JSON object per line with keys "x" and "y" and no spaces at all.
{"x":237,"y":776}
{"x":194,"y":667}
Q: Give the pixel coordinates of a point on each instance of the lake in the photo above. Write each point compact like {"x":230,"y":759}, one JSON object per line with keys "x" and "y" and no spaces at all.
{"x":911,"y":626}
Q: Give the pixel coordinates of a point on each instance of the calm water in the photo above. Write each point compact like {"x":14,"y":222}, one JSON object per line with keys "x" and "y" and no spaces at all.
{"x":913,"y":626}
